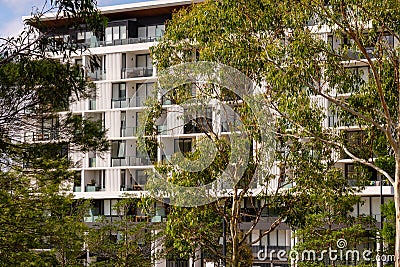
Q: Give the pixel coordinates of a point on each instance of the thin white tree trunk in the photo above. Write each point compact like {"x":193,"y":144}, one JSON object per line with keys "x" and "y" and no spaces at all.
{"x":397,"y":207}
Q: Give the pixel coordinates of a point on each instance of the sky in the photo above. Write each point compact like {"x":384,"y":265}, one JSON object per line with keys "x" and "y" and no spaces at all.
{"x":12,"y":11}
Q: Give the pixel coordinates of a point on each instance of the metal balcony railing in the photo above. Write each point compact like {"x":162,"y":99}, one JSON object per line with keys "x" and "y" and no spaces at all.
{"x":334,"y":121}
{"x":137,"y":72}
{"x":41,"y":136}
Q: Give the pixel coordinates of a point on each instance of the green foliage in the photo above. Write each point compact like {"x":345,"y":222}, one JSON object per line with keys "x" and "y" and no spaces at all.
{"x":389,"y":226}
{"x":41,"y":224}
{"x":38,"y":216}
{"x":122,"y":242}
{"x":302,"y":75}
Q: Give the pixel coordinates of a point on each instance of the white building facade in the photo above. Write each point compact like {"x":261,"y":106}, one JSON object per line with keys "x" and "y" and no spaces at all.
{"x":125,"y":79}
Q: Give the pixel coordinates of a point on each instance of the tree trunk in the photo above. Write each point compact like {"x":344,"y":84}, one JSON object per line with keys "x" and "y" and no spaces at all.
{"x":234,"y":229}
{"x":397,"y":207}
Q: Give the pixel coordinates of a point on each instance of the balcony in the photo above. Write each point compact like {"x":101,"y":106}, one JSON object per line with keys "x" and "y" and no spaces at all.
{"x":198,"y":125}
{"x":133,"y":102}
{"x":132,"y":187}
{"x":355,"y":182}
{"x":137,"y":72}
{"x":334,"y":121}
{"x":166,"y":159}
{"x":41,"y":136}
{"x":128,"y":131}
{"x":137,"y":40}
{"x":96,"y":75}
{"x":162,"y":129}
{"x":77,"y":188}
{"x":92,"y":216}
{"x":130,"y":161}
{"x":229,"y":126}
{"x":91,"y":188}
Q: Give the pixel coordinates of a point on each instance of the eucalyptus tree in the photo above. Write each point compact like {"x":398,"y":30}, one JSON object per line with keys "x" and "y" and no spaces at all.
{"x":41,"y":223}
{"x":301,"y":71}
{"x":126,"y":241}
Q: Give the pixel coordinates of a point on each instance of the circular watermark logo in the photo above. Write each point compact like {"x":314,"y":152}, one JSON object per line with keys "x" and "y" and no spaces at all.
{"x":341,"y":243}
{"x":250,"y":141}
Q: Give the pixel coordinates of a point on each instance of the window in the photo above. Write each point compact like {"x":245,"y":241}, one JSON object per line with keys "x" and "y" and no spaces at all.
{"x":48,"y":129}
{"x":80,"y":36}
{"x":109,"y":35}
{"x":123,"y":178}
{"x":144,"y":61}
{"x":119,"y":95}
{"x":184,"y":145}
{"x":349,"y":170}
{"x":198,"y":120}
{"x":118,"y":149}
{"x":115,"y":33}
{"x":123,"y":124}
{"x":141,"y":177}
{"x":143,"y":90}
{"x":122,"y":32}
{"x":357,"y":76}
{"x":151,"y":31}
{"x":123,"y":61}
{"x":84,"y":36}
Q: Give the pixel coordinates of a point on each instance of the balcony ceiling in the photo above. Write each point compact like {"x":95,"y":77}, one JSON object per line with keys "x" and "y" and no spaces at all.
{"x":117,"y":14}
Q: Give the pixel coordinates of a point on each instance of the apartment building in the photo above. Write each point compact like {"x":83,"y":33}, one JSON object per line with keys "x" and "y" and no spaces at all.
{"x":125,"y":79}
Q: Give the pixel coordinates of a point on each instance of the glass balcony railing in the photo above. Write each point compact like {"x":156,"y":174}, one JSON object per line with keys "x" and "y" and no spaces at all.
{"x":96,"y":75}
{"x":229,"y":126}
{"x":162,"y":129}
{"x":137,"y":72}
{"x":77,"y":188}
{"x":120,"y":103}
{"x":135,"y":186}
{"x":92,"y":215}
{"x":93,"y":43}
{"x":138,"y":101}
{"x":166,"y":159}
{"x":130,"y":161}
{"x":128,"y":131}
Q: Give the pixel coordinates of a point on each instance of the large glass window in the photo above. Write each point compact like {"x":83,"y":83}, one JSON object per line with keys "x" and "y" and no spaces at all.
{"x":198,"y":120}
{"x":119,"y":95}
{"x":141,"y":177}
{"x":184,"y":145}
{"x":119,"y":91}
{"x":144,"y":61}
{"x":109,"y":35}
{"x":143,"y":90}
{"x":151,"y":31}
{"x":122,"y":32}
{"x":115,"y":33}
{"x":48,"y":129}
{"x":84,"y":36}
{"x":118,"y":149}
{"x":123,"y":178}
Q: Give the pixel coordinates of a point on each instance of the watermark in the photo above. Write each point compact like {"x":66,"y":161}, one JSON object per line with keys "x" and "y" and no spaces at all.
{"x":222,"y":118}
{"x":340,"y":253}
